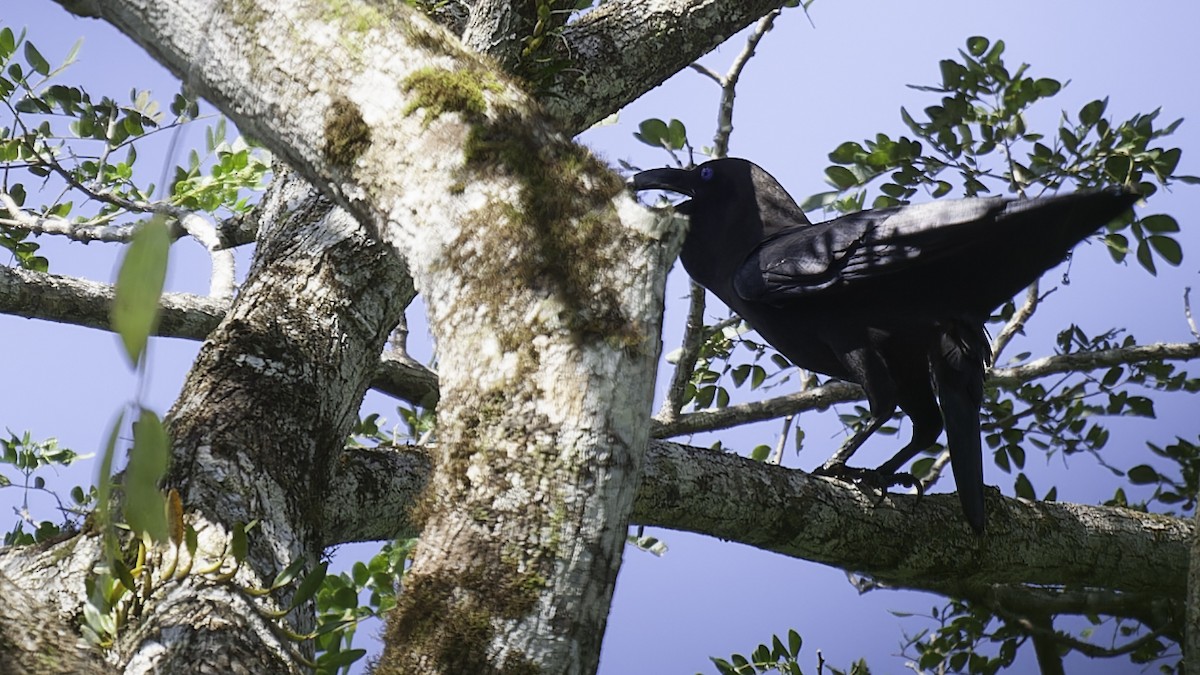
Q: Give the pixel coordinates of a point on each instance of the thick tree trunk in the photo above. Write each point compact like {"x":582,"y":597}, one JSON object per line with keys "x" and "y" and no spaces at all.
{"x":544,"y":284}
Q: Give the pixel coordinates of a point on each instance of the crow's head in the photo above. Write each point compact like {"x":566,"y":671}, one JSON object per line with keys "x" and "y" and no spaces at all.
{"x":728,"y":190}
{"x":720,"y":181}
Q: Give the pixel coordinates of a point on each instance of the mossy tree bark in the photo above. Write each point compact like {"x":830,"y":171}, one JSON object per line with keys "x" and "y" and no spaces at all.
{"x":545,"y":288}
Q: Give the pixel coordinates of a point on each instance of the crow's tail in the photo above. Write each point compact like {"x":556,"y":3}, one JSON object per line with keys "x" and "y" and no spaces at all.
{"x":958,"y":368}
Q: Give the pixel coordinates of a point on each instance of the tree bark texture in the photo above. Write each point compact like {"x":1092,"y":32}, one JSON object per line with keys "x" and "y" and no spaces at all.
{"x":544,"y":284}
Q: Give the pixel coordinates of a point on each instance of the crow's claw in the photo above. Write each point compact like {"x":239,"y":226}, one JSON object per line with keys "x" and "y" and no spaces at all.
{"x":872,"y":478}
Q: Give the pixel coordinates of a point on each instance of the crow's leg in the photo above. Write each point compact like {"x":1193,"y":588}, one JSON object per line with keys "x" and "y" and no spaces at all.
{"x":869,"y":369}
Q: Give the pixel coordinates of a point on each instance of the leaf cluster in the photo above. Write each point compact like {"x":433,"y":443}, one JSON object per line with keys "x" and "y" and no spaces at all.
{"x":976,"y":138}
{"x":27,"y":459}
{"x":341,"y":606}
{"x":62,"y":137}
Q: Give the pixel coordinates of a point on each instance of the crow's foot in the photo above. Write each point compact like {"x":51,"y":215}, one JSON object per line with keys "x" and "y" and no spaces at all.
{"x":872,"y":478}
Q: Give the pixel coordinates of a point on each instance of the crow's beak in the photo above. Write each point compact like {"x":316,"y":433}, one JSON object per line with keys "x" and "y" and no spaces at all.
{"x":675,"y":180}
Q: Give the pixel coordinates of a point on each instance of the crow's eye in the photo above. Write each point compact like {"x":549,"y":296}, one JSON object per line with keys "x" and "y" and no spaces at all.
{"x":706,"y":173}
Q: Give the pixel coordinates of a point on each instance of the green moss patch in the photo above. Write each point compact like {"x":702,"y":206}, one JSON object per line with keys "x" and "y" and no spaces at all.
{"x":440,"y":91}
{"x":347,"y":136}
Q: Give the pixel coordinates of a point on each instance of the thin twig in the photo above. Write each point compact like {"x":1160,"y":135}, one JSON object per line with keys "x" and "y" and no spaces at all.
{"x":1017,"y":323}
{"x":935,"y":471}
{"x":729,"y":83}
{"x":694,"y":332}
{"x":777,"y":456}
{"x":693,"y":340}
{"x":1187,"y":311}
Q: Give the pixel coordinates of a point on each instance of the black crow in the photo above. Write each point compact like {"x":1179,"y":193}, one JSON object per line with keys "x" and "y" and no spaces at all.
{"x":894,"y":299}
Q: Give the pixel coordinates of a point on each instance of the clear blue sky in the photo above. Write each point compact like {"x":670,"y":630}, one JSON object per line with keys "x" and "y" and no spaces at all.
{"x":809,"y":89}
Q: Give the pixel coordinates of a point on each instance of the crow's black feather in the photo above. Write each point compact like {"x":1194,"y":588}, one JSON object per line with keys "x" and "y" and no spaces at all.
{"x":894,"y":299}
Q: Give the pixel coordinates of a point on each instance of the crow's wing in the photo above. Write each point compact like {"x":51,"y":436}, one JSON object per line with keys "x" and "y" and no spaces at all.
{"x":864,"y":247}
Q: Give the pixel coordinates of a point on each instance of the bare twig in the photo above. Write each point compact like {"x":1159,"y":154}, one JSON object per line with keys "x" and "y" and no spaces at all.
{"x":693,"y":340}
{"x":706,"y":71}
{"x":1017,"y":323}
{"x":693,"y":336}
{"x":935,"y":471}
{"x":221,"y":282}
{"x":1187,"y":311}
{"x":1039,"y":630}
{"x":729,"y":83}
{"x":95,"y":230}
{"x":82,"y":302}
{"x":777,"y":456}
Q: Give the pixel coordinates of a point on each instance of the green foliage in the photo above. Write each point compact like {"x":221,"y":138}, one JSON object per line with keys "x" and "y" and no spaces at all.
{"x":23,"y":460}
{"x":224,"y":179}
{"x":778,"y":658}
{"x":671,"y":136}
{"x":1070,"y":415}
{"x":61,"y":134}
{"x":145,"y":506}
{"x":340,"y":608}
{"x":706,"y":389}
{"x":969,"y":638}
{"x":976,"y":138}
{"x":966,"y":639}
{"x":140,"y":282}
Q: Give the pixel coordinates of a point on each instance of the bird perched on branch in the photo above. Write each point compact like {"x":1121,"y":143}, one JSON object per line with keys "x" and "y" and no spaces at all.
{"x":893,"y":299}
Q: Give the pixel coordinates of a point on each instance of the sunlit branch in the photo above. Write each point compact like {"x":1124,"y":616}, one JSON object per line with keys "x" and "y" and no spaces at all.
{"x":81,"y":302}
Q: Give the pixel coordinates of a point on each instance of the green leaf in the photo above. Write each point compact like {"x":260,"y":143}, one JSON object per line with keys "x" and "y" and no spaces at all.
{"x":8,"y":43}
{"x":331,"y":660}
{"x":239,"y":545}
{"x":104,"y":477}
{"x":36,"y":60}
{"x":977,"y":45}
{"x":1023,"y":487}
{"x":1145,"y":258}
{"x":652,"y":132}
{"x":145,"y":505}
{"x":794,"y":643}
{"x":1143,"y":474}
{"x":287,"y":574}
{"x":1160,"y":223}
{"x":1168,"y":248}
{"x":139,"y":286}
{"x":757,"y":375}
{"x":676,"y":135}
{"x":1118,"y":167}
{"x":841,"y":177}
{"x":760,"y":453}
{"x":819,"y":201}
{"x":740,"y":374}
{"x":846,"y":152}
{"x":1090,"y":113}
{"x":308,"y":588}
{"x":1047,"y":87}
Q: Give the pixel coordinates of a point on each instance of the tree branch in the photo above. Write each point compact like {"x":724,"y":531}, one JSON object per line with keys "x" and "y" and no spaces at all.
{"x":841,"y":392}
{"x":81,"y":302}
{"x":903,"y":543}
{"x":624,"y":48}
